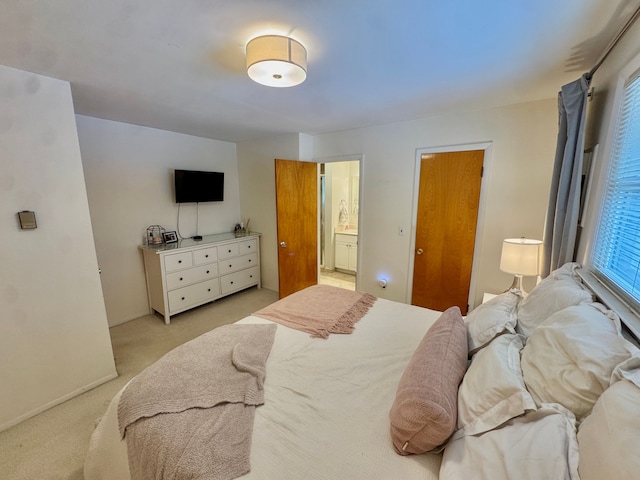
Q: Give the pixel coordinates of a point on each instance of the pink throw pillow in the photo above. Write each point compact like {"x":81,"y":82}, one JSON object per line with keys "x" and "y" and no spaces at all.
{"x":425,"y":410}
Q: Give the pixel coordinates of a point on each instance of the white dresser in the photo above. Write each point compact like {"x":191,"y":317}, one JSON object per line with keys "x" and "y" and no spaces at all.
{"x":184,"y":275}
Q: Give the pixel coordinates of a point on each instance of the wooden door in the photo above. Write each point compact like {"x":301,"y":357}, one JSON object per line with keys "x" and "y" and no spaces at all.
{"x":448,"y":200}
{"x":297,"y":220}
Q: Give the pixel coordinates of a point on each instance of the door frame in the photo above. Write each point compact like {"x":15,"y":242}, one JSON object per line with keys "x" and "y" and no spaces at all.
{"x":345,"y":158}
{"x":464,"y":147}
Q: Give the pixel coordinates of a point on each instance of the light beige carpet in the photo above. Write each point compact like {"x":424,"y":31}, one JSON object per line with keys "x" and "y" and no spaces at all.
{"x":53,"y":444}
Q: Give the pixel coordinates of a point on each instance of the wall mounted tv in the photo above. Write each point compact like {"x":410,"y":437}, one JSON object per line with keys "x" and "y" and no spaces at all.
{"x":196,"y":186}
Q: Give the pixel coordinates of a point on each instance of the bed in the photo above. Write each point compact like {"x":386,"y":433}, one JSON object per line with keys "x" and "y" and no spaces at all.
{"x":539,"y":387}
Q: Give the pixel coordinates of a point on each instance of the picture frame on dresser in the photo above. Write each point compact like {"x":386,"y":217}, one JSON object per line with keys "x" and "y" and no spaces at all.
{"x":170,"y":237}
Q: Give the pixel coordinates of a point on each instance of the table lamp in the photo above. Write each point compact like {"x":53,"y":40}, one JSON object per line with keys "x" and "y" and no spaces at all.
{"x":521,"y":257}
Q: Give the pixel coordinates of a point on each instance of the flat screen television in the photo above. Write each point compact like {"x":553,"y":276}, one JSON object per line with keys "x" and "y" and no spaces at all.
{"x":197,"y":186}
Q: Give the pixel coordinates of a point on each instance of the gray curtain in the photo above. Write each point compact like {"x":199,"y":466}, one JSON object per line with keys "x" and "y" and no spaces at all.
{"x":564,"y":199}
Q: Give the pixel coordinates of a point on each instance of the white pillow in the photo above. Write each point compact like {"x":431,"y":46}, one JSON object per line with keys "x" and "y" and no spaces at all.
{"x":547,"y":298}
{"x":569,"y":358}
{"x":540,"y":444}
{"x":491,"y":319}
{"x":568,"y":270}
{"x":493,"y":391}
{"x":629,"y":369}
{"x":608,"y":438}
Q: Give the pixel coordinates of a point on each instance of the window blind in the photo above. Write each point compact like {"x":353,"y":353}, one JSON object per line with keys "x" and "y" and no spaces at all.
{"x":617,"y":244}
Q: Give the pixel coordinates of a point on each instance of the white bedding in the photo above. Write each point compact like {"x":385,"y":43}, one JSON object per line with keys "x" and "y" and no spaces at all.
{"x":326,"y":405}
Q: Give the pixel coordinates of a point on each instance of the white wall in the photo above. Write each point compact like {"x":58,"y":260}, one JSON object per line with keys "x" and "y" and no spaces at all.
{"x":129,"y":178}
{"x":515,"y":192}
{"x":515,"y":187}
{"x":54,"y":340}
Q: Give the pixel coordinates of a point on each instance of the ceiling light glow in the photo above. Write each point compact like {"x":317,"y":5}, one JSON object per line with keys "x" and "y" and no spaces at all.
{"x":276,"y":61}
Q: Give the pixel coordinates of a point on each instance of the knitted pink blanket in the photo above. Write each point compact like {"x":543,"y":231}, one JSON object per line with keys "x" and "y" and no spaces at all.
{"x":190,"y":414}
{"x":320,"y":310}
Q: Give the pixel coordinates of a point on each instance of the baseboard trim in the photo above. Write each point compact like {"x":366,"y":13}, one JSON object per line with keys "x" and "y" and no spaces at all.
{"x":57,"y":401}
{"x":120,"y":321}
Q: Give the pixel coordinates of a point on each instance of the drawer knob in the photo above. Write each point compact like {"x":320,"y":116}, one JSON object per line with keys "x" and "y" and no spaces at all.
{"x":248,"y":246}
{"x":231,"y":283}
{"x":230,"y":265}
{"x":182,"y":298}
{"x":207,"y":271}
{"x":250,"y":276}
{"x":208,"y":289}
{"x":249,"y":260}
{"x":179,"y":261}
{"x":229,"y":251}
{"x":180,"y":278}
{"x":206,"y":256}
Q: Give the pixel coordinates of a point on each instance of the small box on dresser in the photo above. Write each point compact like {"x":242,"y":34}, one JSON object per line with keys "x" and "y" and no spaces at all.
{"x":190,"y":273}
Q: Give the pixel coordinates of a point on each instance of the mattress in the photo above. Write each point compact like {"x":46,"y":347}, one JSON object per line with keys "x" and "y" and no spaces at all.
{"x":326,"y":406}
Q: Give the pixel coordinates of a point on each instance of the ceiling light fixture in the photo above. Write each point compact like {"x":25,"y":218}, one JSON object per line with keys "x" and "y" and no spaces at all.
{"x":276,"y":61}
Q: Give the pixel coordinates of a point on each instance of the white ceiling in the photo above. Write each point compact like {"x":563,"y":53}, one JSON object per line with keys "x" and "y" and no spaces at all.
{"x":179,"y":64}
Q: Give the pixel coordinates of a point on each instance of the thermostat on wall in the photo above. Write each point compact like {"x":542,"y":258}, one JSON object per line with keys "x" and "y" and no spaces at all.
{"x":27,"y":220}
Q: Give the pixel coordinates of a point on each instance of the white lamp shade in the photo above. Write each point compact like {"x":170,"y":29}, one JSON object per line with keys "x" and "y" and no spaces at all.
{"x":276,"y":61}
{"x":521,"y":256}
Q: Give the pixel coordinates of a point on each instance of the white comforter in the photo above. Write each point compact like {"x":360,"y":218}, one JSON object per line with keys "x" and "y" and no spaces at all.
{"x":326,"y":405}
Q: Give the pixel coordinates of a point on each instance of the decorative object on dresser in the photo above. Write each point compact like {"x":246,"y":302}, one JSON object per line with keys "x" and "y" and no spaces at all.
{"x":242,"y":229}
{"x":521,"y":257}
{"x":155,"y":234}
{"x":187,"y":274}
{"x":170,"y":237}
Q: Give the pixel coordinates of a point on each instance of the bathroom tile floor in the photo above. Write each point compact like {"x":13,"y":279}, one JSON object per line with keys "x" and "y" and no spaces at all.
{"x":337,"y":279}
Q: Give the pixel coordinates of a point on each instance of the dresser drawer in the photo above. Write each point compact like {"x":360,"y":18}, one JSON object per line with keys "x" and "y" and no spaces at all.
{"x":185,"y":297}
{"x":238,"y":280}
{"x":205,"y":255}
{"x":228,"y":251}
{"x":192,"y":275}
{"x":238,"y":263}
{"x":177,"y":261}
{"x":248,"y":246}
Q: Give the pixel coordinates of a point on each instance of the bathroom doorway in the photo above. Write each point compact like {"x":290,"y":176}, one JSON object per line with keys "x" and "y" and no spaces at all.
{"x":339,"y":221}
